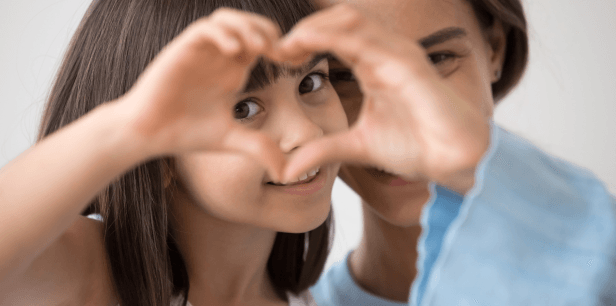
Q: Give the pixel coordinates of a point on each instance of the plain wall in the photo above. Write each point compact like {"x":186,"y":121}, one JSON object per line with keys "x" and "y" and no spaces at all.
{"x":565,"y":103}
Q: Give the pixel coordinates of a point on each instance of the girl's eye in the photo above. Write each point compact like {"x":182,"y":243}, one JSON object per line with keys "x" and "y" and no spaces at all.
{"x":246,"y":109}
{"x":312,"y":82}
{"x":438,"y":58}
{"x":341,"y":75}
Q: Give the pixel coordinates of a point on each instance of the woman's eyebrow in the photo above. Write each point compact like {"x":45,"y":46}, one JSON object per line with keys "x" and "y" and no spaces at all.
{"x":442,"y":36}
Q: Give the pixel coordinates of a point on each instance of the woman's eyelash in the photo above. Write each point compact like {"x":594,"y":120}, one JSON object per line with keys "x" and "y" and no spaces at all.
{"x":344,"y":75}
{"x":439,"y":57}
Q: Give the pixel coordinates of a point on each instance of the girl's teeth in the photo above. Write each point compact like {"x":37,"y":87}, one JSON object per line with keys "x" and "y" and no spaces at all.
{"x":302,"y":177}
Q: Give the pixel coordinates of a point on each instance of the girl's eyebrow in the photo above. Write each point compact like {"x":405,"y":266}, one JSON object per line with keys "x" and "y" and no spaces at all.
{"x":442,"y":36}
{"x":267,"y":73}
{"x":304,"y":69}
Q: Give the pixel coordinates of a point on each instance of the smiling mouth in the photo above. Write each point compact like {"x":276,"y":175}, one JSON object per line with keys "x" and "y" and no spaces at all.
{"x":302,"y":179}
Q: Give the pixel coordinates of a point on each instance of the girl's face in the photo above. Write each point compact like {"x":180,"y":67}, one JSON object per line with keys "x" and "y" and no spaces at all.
{"x":292,"y":110}
{"x":466,"y":57}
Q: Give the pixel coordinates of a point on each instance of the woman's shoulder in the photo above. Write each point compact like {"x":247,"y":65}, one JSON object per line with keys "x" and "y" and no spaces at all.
{"x":74,"y":269}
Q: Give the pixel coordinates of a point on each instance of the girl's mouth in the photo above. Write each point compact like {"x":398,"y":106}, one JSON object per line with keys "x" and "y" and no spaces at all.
{"x":308,"y":183}
{"x":302,"y":179}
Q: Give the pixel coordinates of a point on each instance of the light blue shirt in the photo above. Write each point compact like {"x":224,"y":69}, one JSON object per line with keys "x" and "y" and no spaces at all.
{"x":337,"y":286}
{"x":534,"y":230}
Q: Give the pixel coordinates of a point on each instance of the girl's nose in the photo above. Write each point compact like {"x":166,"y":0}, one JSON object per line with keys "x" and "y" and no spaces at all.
{"x":297,"y":128}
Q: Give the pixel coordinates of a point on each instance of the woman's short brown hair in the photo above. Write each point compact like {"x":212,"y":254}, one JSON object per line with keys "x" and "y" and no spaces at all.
{"x":511,"y":14}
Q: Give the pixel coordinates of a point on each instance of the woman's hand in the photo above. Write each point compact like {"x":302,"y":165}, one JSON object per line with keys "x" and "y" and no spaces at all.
{"x":184,"y":100}
{"x":411,"y":123}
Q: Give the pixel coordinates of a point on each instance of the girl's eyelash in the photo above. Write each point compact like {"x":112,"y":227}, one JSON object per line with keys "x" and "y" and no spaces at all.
{"x":253,"y":100}
{"x":322,"y":74}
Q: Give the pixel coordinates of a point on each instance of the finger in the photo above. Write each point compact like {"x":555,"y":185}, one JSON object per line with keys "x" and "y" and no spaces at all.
{"x":348,"y":47}
{"x":340,"y":17}
{"x":342,"y":147}
{"x":257,"y":146}
{"x":250,"y":29}
{"x":208,"y":34}
{"x":264,"y":24}
{"x":336,"y":23}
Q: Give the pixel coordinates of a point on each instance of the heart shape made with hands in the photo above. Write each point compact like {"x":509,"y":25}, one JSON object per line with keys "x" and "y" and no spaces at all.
{"x":410,"y":123}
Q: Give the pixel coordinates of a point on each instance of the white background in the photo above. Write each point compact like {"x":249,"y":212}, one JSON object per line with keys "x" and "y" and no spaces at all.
{"x":565,"y":104}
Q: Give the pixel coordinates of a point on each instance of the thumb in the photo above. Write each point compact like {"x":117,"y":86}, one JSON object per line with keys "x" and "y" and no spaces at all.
{"x":257,"y":146}
{"x":341,"y":147}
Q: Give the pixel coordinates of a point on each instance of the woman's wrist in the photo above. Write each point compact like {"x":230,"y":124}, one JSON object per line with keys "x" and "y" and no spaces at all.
{"x":461,"y":178}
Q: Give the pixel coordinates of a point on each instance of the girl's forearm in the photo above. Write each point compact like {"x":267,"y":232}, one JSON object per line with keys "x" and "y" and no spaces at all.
{"x":44,"y":189}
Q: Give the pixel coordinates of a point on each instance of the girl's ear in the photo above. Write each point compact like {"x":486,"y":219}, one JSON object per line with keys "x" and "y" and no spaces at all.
{"x":496,"y":36}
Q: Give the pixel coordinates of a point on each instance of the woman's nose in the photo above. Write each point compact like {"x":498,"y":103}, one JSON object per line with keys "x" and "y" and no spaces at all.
{"x":296,"y":128}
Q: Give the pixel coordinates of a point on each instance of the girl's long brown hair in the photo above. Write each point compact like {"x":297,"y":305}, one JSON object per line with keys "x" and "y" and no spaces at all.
{"x":113,"y":44}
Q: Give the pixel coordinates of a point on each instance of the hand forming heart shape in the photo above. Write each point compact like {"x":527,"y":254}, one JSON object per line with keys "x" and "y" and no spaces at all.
{"x":410,"y":124}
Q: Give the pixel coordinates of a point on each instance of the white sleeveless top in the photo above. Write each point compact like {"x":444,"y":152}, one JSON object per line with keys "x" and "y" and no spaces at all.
{"x":303,"y":299}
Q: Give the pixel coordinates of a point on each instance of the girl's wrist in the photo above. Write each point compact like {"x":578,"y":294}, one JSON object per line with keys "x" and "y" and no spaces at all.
{"x":123,"y":143}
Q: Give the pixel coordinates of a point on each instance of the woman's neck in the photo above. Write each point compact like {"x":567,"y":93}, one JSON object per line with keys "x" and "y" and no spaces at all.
{"x":226,"y":262}
{"x":384,"y":262}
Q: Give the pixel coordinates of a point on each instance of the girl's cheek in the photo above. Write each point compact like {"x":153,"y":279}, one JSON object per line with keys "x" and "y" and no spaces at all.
{"x":223,"y":178}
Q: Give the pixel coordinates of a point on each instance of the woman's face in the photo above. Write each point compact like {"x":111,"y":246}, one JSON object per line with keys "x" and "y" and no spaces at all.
{"x":293,"y":110}
{"x":465,"y":58}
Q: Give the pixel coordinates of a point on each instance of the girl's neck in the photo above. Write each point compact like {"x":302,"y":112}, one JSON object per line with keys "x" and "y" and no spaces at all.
{"x":226,"y":262}
{"x":384,"y":262}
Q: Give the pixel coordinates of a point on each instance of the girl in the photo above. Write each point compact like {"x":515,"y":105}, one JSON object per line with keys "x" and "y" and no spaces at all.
{"x":162,"y":154}
{"x":507,"y":224}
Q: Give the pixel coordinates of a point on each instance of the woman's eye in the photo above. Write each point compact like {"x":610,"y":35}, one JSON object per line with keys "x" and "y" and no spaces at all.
{"x":246,"y":109}
{"x":341,"y":75}
{"x":438,"y":58}
{"x":312,"y":82}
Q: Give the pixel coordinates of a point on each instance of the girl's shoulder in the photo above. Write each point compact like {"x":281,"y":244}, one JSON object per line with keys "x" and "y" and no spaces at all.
{"x":302,"y":299}
{"x":73,"y":270}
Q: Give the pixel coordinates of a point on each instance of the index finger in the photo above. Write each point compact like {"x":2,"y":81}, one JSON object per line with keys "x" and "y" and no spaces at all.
{"x":334,"y":29}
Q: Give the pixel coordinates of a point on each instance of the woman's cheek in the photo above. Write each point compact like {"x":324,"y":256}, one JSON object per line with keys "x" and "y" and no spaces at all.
{"x":472,"y":86}
{"x":351,"y":100}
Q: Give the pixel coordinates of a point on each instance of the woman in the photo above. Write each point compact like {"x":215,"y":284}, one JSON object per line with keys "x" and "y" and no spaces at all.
{"x":517,"y":227}
{"x":163,"y":153}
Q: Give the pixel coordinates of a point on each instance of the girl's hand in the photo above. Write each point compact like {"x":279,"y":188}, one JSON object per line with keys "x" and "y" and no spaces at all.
{"x":410,"y":124}
{"x":184,"y":100}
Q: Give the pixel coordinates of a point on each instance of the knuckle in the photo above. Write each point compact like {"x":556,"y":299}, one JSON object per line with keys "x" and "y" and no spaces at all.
{"x":223,"y":13}
{"x":352,"y":16}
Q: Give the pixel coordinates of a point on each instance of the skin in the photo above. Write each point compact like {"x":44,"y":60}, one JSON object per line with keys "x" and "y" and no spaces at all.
{"x":227,"y":205}
{"x":384,"y":262}
{"x":184,"y":104}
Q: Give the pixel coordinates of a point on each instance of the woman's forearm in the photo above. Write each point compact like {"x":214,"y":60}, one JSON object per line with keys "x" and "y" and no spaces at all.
{"x":44,"y":189}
